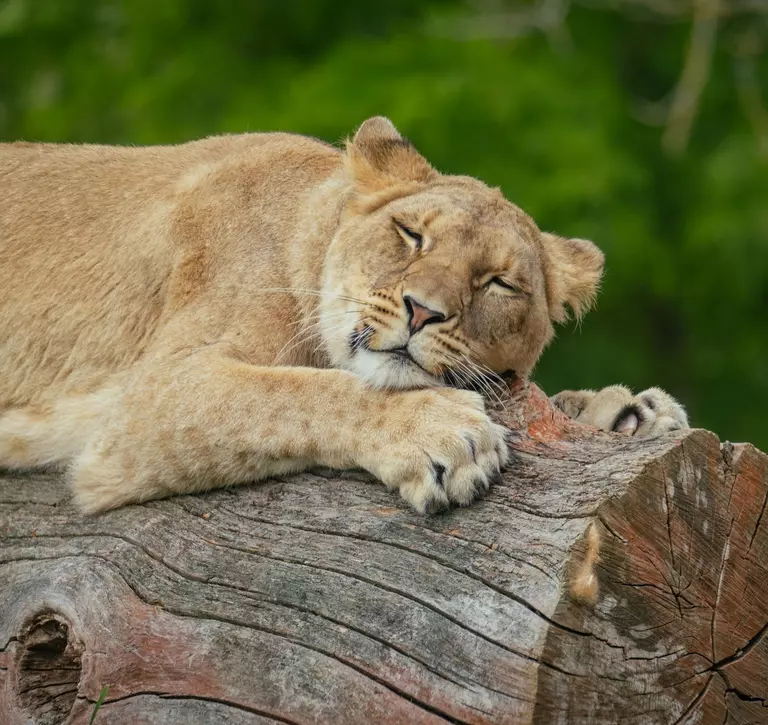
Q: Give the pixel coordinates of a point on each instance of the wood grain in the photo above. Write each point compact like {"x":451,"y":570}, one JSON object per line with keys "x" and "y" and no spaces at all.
{"x":321,"y":599}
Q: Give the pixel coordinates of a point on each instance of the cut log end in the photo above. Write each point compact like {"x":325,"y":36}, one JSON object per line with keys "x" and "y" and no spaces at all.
{"x":604,"y":580}
{"x":681,"y":618}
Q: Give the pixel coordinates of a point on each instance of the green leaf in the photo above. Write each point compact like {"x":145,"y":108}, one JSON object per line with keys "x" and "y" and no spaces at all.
{"x":102,"y":695}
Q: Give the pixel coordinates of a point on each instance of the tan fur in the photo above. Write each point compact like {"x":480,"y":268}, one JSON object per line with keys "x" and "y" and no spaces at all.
{"x":184,"y":317}
{"x":584,"y":582}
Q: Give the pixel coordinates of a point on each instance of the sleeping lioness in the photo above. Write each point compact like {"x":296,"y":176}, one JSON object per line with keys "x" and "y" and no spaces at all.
{"x":179,"y":318}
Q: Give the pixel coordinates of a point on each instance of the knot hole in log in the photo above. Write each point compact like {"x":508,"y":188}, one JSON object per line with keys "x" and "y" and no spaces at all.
{"x":48,"y":669}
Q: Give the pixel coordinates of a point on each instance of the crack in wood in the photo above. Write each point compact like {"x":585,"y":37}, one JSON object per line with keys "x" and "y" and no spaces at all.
{"x":442,"y":561}
{"x":721,"y":578}
{"x":759,"y":520}
{"x":742,"y":651}
{"x":694,"y":702}
{"x":165,"y":696}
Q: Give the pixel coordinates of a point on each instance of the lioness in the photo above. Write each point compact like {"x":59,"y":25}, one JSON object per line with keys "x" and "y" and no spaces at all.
{"x":178,"y":318}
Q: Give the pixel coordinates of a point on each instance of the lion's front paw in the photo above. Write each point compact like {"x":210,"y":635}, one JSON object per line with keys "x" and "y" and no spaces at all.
{"x":668,"y":414}
{"x":616,"y":409}
{"x":438,"y":447}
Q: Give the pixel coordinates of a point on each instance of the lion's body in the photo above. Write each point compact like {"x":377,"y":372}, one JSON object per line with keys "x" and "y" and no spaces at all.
{"x":102,"y":246}
{"x":183,"y":317}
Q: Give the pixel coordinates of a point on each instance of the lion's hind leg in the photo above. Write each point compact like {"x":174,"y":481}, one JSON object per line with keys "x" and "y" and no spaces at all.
{"x":52,"y":433}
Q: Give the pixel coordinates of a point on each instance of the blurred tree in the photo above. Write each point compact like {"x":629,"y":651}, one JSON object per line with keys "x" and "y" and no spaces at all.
{"x":708,"y":20}
{"x":562,"y":117}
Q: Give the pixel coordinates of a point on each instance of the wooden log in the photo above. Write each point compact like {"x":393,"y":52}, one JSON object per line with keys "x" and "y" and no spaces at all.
{"x":605,"y":580}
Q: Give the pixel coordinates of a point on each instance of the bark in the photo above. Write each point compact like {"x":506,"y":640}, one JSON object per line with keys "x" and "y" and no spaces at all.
{"x":605,"y":580}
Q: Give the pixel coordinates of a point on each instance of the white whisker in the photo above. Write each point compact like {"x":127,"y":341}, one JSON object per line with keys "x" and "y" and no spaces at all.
{"x":306,"y":334}
{"x":488,"y":378}
{"x":470,"y":372}
{"x":311,"y":292}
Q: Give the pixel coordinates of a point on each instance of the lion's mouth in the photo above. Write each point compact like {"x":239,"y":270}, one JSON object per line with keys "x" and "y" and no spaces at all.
{"x":402,"y":356}
{"x":399,"y":360}
{"x":359,"y":340}
{"x":402,"y":353}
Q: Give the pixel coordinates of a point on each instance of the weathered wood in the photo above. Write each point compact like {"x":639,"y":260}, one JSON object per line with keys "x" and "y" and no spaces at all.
{"x":322,"y":599}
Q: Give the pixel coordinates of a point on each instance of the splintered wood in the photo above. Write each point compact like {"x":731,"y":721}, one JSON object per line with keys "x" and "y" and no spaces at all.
{"x":605,"y":580}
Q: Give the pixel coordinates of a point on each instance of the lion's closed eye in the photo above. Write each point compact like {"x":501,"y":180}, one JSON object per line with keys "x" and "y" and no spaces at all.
{"x":411,"y":237}
{"x":506,"y":285}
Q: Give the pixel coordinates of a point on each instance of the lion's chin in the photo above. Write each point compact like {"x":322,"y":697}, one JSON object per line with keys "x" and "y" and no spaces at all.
{"x":388,"y":371}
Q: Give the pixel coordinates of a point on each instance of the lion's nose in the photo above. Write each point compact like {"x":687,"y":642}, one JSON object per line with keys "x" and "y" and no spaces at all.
{"x":420,"y":315}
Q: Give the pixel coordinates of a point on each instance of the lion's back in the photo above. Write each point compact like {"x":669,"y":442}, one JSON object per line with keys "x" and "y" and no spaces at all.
{"x":86,"y":244}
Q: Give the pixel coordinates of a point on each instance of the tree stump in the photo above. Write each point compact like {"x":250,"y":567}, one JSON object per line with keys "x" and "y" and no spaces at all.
{"x":605,"y":580}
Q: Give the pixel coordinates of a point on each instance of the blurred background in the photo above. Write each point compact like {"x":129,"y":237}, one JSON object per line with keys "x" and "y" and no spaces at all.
{"x":640,"y":124}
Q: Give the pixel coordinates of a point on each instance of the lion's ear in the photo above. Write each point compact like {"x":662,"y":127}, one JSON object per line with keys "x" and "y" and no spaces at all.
{"x":379,"y":157}
{"x":573,"y":268}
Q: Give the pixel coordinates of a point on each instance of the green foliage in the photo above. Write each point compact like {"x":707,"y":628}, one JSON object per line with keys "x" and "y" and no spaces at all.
{"x":686,"y":240}
{"x":99,"y":702}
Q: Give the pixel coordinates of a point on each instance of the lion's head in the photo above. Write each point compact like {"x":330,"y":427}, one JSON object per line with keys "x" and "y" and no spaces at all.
{"x":434,"y":279}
